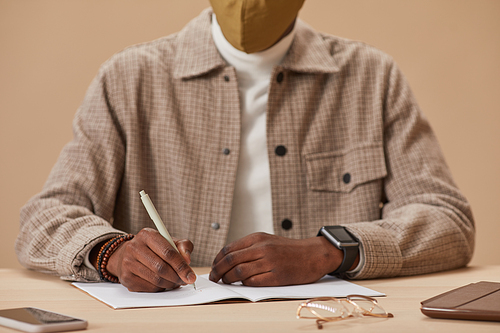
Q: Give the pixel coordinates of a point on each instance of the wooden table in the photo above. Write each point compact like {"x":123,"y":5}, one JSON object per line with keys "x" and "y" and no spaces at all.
{"x":20,"y":287}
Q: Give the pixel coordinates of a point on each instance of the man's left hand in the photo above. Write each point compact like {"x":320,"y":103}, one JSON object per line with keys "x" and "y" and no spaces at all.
{"x":262,"y":259}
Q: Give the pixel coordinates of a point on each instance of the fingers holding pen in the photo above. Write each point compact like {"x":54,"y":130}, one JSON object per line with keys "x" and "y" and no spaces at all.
{"x":173,"y":258}
{"x":185,"y":248}
{"x":140,"y":278}
{"x":149,"y":263}
{"x":172,"y":263}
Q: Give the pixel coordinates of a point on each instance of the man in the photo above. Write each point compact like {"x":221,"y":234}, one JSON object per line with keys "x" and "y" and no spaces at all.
{"x":251,"y":132}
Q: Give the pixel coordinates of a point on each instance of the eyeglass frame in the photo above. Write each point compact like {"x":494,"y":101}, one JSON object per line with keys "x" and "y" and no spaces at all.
{"x":350,"y":313}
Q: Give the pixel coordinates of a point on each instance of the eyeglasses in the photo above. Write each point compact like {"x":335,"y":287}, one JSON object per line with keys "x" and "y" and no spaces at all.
{"x":327,"y":309}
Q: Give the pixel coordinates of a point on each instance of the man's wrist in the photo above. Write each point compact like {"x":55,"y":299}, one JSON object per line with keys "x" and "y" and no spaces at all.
{"x":114,"y":260}
{"x":333,"y":256}
{"x":92,"y":256}
{"x":346,"y":243}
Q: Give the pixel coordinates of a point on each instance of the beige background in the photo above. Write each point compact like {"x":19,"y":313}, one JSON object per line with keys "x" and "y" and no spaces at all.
{"x":449,"y":50}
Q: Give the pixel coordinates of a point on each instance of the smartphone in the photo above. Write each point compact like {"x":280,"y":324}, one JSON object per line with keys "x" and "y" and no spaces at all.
{"x":38,"y":320}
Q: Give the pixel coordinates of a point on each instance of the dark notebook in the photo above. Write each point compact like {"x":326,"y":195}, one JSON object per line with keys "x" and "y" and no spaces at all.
{"x":475,"y":301}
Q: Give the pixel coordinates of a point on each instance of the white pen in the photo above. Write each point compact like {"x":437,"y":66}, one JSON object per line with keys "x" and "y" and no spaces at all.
{"x":153,"y":214}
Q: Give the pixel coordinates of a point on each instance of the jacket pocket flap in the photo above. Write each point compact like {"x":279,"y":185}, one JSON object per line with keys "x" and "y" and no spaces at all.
{"x":342,"y":171}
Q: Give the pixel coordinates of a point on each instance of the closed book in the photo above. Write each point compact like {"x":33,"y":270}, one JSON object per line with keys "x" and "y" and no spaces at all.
{"x":475,"y":301}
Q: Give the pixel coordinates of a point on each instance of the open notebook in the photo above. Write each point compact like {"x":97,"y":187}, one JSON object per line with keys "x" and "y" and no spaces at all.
{"x":118,"y":297}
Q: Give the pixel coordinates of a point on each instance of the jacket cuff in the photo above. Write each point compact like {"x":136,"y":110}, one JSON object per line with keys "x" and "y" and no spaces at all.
{"x":382,"y":257}
{"x":78,"y":247}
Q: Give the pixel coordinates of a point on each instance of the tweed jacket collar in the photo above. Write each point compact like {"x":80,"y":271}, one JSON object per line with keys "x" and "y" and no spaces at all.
{"x":197,"y":54}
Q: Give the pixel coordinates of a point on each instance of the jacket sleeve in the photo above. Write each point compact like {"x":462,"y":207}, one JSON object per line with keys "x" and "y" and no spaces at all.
{"x":426,"y":224}
{"x":59,"y":226}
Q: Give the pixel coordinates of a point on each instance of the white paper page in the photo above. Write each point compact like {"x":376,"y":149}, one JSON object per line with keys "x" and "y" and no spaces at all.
{"x":327,"y":286}
{"x":118,"y":297}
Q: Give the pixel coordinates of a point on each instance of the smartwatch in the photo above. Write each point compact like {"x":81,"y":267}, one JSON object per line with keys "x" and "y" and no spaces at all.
{"x":342,"y":240}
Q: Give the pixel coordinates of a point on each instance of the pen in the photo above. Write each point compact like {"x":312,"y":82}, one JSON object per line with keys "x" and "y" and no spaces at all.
{"x":153,"y":214}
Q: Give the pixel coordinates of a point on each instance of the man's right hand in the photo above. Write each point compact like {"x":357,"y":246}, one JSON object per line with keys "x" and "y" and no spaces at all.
{"x":148,"y":263}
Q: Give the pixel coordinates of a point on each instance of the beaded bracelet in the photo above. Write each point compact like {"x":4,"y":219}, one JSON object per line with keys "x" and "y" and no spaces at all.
{"x":105,"y":252}
{"x":100,"y":252}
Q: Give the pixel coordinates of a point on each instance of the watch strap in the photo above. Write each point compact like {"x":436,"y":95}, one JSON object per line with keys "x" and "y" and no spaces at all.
{"x":350,"y":254}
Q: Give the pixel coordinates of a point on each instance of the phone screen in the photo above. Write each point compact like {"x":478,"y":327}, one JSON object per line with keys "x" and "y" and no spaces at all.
{"x":36,"y":316}
{"x":28,"y":318}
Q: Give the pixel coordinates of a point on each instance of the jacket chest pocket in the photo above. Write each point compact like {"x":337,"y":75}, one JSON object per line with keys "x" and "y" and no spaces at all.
{"x":342,"y":171}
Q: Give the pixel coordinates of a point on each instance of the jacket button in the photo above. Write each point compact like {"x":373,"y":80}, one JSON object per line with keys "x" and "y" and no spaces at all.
{"x":226,"y":151}
{"x":215,"y":226}
{"x":280,"y":150}
{"x":280,"y":77}
{"x":347,"y":178}
{"x":226,"y":78}
{"x":286,"y":224}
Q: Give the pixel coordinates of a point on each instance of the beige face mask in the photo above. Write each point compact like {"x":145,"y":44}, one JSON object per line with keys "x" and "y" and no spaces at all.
{"x":255,"y":25}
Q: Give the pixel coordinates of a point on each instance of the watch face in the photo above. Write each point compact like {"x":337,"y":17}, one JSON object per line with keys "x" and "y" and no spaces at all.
{"x":341,"y":236}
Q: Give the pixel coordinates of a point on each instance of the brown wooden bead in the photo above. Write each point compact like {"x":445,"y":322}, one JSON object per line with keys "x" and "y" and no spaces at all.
{"x":105,"y":253}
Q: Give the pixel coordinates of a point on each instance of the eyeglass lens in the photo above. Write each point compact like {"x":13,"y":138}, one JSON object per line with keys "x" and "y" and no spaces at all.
{"x":368,"y":306}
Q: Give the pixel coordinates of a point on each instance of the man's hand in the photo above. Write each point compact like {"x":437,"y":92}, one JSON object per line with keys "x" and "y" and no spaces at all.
{"x":149,"y":263}
{"x":261,"y":259}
